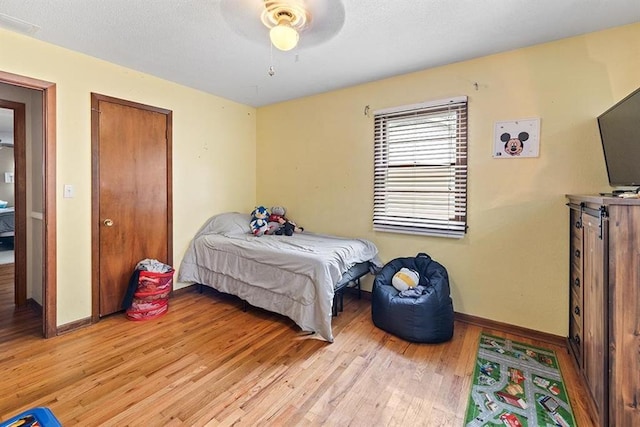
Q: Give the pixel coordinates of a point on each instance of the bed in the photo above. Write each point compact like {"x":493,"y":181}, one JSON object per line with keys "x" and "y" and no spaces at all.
{"x":7,"y":225}
{"x":298,"y":276}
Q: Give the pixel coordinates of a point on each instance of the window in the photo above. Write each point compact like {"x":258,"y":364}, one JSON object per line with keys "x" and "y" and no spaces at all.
{"x":420,"y":168}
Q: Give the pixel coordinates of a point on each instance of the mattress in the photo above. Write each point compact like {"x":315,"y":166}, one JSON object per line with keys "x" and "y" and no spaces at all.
{"x":292,"y":275}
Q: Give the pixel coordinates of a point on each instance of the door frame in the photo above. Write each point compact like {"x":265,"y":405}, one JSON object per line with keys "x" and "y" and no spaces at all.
{"x":20,"y":199}
{"x":95,"y":189}
{"x":49,"y":272}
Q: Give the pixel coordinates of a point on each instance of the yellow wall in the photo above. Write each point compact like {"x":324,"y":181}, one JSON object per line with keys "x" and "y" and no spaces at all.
{"x":316,"y":159}
{"x":213,"y":152}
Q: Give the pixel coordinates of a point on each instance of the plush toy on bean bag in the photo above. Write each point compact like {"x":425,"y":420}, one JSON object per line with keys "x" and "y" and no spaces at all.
{"x":259,"y":224}
{"x":405,"y":279}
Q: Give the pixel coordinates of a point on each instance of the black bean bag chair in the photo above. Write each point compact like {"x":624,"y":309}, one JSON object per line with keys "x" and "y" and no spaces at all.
{"x":425,"y":318}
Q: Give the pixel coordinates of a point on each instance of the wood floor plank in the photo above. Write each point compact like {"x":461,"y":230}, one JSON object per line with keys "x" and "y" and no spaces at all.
{"x":208,"y":362}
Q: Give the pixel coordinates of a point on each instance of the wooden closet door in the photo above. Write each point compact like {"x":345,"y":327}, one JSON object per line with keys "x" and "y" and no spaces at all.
{"x":132,"y":179}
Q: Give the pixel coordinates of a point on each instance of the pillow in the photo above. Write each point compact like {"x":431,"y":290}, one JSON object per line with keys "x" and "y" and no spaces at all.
{"x":229,"y":223}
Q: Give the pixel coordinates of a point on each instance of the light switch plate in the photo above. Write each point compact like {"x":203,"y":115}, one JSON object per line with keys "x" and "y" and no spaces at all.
{"x":69,"y":191}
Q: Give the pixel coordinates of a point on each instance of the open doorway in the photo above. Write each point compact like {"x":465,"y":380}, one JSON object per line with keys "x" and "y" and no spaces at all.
{"x":7,"y":187}
{"x":13,"y":193}
{"x":34,"y":181}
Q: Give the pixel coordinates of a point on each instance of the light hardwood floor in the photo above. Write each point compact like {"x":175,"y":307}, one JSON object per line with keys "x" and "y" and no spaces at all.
{"x":207,"y":362}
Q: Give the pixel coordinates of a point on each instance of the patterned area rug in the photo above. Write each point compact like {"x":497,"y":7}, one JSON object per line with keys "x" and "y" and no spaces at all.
{"x":516,"y":384}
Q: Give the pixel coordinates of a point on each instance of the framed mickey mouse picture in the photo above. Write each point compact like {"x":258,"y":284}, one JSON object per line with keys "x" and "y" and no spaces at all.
{"x":516,"y":139}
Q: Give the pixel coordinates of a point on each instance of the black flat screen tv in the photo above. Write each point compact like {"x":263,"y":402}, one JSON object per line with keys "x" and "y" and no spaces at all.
{"x":620,"y":135}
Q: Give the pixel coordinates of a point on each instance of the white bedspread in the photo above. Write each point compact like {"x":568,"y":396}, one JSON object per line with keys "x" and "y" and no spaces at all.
{"x":291,"y":275}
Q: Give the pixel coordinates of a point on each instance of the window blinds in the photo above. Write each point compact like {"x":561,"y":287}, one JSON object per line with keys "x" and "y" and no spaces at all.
{"x":420,"y":169}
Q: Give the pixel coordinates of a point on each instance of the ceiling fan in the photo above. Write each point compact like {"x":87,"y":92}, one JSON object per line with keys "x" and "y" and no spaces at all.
{"x":285,"y":23}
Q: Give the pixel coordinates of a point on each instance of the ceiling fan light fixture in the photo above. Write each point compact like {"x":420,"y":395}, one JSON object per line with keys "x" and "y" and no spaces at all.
{"x":284,"y":22}
{"x":283,"y":36}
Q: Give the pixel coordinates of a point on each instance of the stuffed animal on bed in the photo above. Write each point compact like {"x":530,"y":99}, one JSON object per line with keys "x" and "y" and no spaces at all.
{"x":279,"y":224}
{"x":277,"y":213}
{"x":288,"y":228}
{"x":259,"y":224}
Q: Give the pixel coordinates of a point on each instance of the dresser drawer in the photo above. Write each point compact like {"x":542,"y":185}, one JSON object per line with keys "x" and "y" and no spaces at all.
{"x":575,"y":286}
{"x":576,"y":323}
{"x":576,"y":301}
{"x":575,"y":340}
{"x":576,"y":223}
{"x":575,"y":253}
{"x":576,"y":238}
{"x":575,"y":280}
{"x":576,"y":312}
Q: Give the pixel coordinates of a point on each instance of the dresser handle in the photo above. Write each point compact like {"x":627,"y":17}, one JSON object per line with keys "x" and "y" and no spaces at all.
{"x":576,"y":338}
{"x":577,"y":253}
{"x":577,"y":282}
{"x":576,"y":310}
{"x":578,"y":224}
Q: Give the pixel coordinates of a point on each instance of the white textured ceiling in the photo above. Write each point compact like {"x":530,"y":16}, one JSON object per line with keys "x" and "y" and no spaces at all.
{"x":220,"y":46}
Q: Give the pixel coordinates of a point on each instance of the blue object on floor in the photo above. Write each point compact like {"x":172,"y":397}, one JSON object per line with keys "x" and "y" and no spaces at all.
{"x":425,"y":318}
{"x":33,"y":417}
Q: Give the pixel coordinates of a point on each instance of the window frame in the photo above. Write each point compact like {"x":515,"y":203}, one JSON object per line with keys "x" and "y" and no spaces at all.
{"x":417,"y":205}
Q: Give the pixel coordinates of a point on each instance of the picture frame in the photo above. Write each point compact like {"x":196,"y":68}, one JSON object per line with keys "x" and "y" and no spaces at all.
{"x":516,"y":139}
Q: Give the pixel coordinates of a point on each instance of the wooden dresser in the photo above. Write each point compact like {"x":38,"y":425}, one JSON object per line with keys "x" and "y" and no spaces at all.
{"x":604,"y":321}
